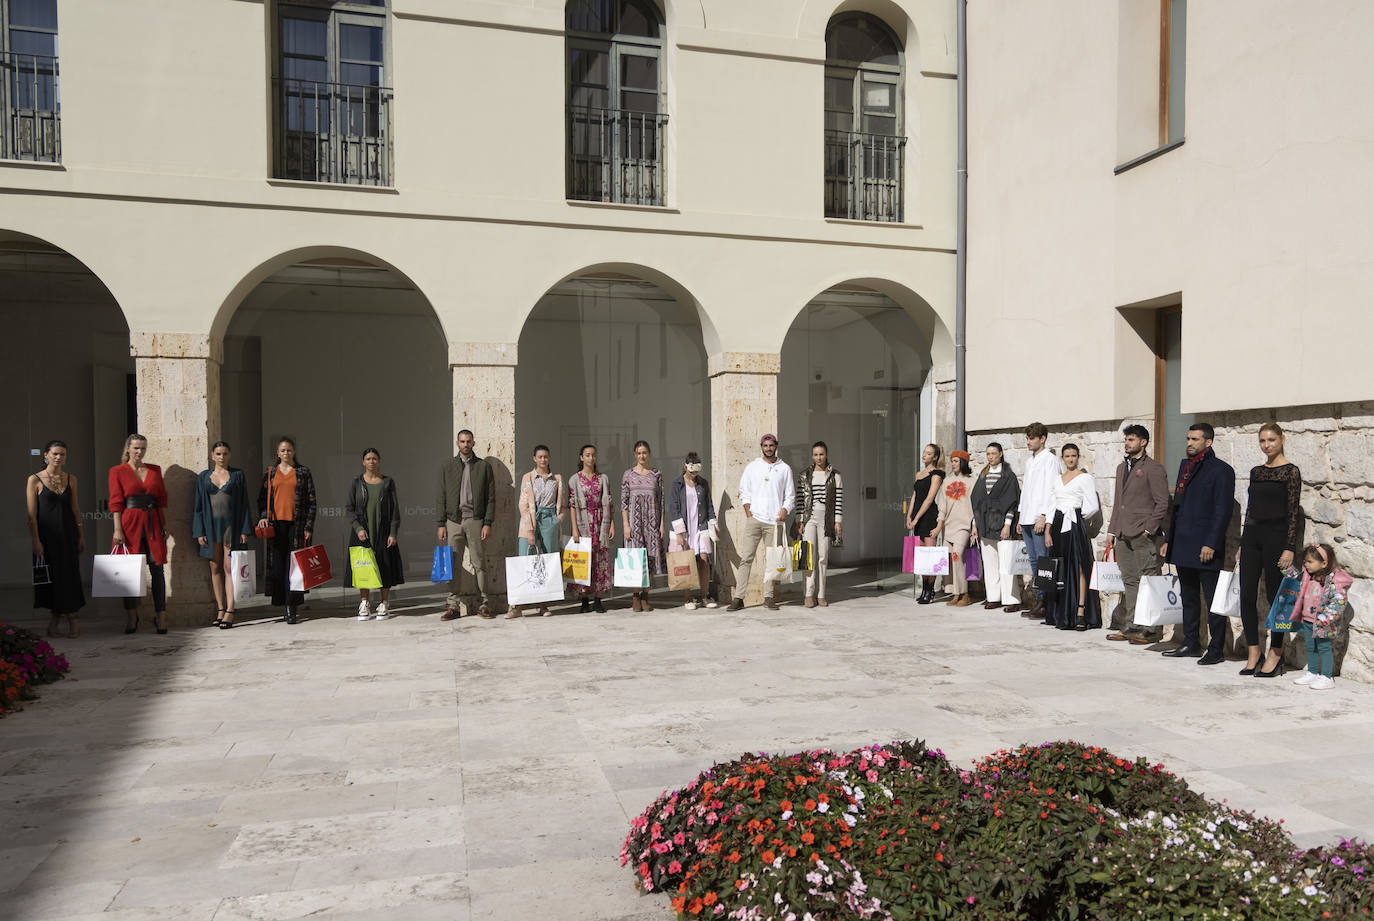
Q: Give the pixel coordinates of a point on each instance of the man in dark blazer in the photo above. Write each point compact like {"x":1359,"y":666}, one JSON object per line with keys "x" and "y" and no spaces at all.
{"x":1196,"y":542}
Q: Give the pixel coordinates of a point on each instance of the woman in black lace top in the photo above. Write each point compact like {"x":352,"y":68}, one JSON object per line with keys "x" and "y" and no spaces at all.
{"x":1267,"y":542}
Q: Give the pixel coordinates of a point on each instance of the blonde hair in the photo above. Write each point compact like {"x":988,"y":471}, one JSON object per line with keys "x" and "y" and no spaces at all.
{"x":1272,"y":427}
{"x":124,"y":459}
{"x":939,"y":453}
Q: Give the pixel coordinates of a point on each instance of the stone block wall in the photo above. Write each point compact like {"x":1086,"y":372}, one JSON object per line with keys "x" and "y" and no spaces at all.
{"x":1333,"y":446}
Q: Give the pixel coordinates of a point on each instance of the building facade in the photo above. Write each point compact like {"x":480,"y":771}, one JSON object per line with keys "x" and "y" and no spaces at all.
{"x":1169,"y":211}
{"x":372,"y":223}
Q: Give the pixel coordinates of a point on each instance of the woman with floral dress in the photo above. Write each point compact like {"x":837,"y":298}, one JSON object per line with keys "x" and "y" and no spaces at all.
{"x":641,"y":510}
{"x":593,"y":514}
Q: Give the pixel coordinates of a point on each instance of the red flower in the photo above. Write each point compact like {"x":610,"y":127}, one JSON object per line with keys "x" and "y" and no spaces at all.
{"x":956,"y":490}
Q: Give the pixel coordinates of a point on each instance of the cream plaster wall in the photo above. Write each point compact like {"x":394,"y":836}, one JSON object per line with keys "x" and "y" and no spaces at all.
{"x":1260,"y":219}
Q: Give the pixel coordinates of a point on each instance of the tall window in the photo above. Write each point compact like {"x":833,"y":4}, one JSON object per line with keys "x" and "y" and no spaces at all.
{"x":29,"y":100}
{"x":863,"y":120}
{"x":333,"y":97}
{"x":616,"y":124}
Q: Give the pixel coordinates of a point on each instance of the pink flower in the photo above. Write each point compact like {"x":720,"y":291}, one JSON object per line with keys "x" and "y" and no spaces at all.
{"x":662,"y":847}
{"x":872,"y":776}
{"x":679,"y":838}
{"x":675,"y":867}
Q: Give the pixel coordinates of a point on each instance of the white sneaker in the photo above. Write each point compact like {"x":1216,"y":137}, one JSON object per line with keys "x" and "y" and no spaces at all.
{"x":363,"y":612}
{"x":382,"y":612}
{"x":711,"y":605}
{"x":690,"y":605}
{"x":1322,"y":683}
{"x":1307,"y":678}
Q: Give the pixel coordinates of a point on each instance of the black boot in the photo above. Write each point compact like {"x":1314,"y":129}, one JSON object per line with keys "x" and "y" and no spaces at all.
{"x":927,"y":596}
{"x":291,"y":614}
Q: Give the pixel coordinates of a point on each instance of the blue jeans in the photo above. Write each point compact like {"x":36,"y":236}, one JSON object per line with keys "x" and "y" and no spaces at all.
{"x":1035,"y":547}
{"x":1320,"y":659}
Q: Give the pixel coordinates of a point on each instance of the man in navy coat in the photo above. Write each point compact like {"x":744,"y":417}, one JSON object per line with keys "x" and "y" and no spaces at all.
{"x":1196,"y":541}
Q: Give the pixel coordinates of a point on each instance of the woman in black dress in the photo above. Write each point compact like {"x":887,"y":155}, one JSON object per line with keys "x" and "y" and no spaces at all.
{"x":1268,"y":539}
{"x":58,"y":542}
{"x":921,"y":513}
{"x":375,"y":514}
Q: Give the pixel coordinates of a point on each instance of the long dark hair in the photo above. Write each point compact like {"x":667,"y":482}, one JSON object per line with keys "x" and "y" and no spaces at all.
{"x":1314,"y":552}
{"x":982,"y":474}
{"x":582,"y":450}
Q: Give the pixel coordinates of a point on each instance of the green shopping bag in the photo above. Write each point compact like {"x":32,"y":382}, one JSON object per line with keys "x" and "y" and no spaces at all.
{"x":362,"y":563}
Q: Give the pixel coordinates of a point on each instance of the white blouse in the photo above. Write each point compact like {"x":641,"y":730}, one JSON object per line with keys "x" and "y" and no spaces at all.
{"x":1079,"y":494}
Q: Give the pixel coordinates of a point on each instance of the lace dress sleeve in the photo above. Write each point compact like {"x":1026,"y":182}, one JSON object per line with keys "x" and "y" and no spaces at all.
{"x":1294,"y":483}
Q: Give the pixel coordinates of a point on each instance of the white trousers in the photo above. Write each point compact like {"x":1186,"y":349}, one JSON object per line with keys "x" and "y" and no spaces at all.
{"x":815,"y":579}
{"x":1000,"y":586}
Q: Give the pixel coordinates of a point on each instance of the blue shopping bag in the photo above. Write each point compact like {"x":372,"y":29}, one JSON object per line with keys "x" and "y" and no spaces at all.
{"x":442,"y":570}
{"x":1281,"y":611}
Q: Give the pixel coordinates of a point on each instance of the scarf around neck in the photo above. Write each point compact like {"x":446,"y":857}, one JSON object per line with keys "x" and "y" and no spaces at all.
{"x":1190,"y":465}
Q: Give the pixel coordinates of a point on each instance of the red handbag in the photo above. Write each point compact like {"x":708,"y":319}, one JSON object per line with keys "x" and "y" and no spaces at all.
{"x":267,"y":531}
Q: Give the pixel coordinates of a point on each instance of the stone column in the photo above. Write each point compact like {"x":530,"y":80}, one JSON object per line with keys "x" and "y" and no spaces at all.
{"x":484,"y":402}
{"x":179,"y":412}
{"x":744,"y":405}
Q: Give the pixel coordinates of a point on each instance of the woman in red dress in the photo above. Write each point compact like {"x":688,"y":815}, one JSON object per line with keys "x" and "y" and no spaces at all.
{"x":137,"y":498}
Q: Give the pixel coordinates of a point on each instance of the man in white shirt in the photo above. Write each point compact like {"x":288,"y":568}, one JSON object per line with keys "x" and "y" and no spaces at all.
{"x":766,"y":492}
{"x":1037,"y":505}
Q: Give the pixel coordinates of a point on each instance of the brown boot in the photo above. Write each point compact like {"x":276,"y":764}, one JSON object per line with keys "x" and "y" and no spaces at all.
{"x":953,"y":601}
{"x":963,"y":601}
{"x":809,"y":602}
{"x":635,"y":603}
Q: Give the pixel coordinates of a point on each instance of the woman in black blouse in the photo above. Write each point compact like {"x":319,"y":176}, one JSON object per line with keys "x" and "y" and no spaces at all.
{"x":1268,"y":540}
{"x":921,"y":512}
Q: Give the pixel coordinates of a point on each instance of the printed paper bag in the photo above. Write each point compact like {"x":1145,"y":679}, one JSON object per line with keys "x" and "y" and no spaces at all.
{"x":1280,"y":617}
{"x":1226,"y":599}
{"x":1013,"y":558}
{"x":803,"y":556}
{"x":577,"y":561}
{"x":777,"y":559}
{"x":682,"y":570}
{"x":631,"y":568}
{"x":1106,"y":575}
{"x":362,"y":568}
{"x":1158,"y":602}
{"x":534,"y":579}
{"x":243,"y":575}
{"x":932,"y":561}
{"x":909,"y":545}
{"x":309,"y":568}
{"x":1049,"y":575}
{"x":442,"y":570}
{"x":118,"y":574}
{"x":41,"y":576}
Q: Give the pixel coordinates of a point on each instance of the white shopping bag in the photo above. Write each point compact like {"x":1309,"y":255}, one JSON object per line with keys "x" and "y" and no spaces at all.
{"x":534,"y":579}
{"x":1013,"y":558}
{"x":577,"y":561}
{"x":118,"y":574}
{"x":631,"y":568}
{"x":243,"y":575}
{"x":1158,"y":602}
{"x":1226,"y":599}
{"x":777,"y":559}
{"x":932,"y":561}
{"x":1106,"y":575}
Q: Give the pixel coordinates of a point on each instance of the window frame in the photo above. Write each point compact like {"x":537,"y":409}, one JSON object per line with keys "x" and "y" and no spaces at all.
{"x":9,"y":98}
{"x":334,"y":14}
{"x":617,"y":46}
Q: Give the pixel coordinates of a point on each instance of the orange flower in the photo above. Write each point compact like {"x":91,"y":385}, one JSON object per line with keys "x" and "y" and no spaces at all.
{"x":808,"y":838}
{"x":709,"y":898}
{"x":768,"y":856}
{"x":956,"y":490}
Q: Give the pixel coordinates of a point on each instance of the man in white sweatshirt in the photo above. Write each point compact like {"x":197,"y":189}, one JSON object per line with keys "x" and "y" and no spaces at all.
{"x":1037,"y":506}
{"x":766,"y":492}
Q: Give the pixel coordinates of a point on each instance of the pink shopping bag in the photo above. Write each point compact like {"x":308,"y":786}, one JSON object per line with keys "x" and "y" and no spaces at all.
{"x":909,"y":545}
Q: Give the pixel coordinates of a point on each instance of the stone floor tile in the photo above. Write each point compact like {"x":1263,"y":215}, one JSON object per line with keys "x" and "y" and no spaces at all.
{"x":358,"y":900}
{"x":165,"y":890}
{"x":18,"y":861}
{"x":345,"y":835}
{"x":61,"y":899}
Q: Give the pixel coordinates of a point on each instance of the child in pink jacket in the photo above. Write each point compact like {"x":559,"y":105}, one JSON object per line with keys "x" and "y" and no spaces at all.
{"x":1319,"y":609}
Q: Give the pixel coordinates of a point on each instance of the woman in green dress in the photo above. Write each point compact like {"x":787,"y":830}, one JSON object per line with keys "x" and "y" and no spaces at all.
{"x":375,"y":514}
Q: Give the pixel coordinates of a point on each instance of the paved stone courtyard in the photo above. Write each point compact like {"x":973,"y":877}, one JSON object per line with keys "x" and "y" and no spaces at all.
{"x":488,"y":769}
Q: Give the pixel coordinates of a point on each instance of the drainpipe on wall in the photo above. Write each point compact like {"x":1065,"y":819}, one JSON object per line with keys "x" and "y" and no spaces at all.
{"x":961,"y":227}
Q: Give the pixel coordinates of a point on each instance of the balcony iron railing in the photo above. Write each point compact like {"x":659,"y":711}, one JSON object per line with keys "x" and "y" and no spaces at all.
{"x":863,"y":176}
{"x":31,"y":129}
{"x":334,"y":132}
{"x":616,"y":155}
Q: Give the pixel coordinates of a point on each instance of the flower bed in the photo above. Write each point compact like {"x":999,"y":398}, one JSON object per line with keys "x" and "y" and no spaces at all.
{"x":1055,"y":831}
{"x":26,"y":660}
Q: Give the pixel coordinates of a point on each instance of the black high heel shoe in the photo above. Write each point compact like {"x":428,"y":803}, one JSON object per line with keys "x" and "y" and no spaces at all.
{"x":1279,"y":669}
{"x":219,"y":618}
{"x":226,"y":624}
{"x":157,"y":619}
{"x":1250,"y":669}
{"x":134,"y":628}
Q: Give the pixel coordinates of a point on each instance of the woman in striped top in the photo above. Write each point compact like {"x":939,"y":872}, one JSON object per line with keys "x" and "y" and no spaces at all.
{"x":820,"y":516}
{"x":996,"y":496}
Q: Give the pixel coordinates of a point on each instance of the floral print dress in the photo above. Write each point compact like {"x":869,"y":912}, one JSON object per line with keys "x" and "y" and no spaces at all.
{"x":589,"y":524}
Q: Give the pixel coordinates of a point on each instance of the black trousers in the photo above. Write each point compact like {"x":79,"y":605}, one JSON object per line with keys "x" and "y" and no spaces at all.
{"x":280,"y":549}
{"x":159,"y":589}
{"x":1260,"y":548}
{"x":1193,"y":583}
